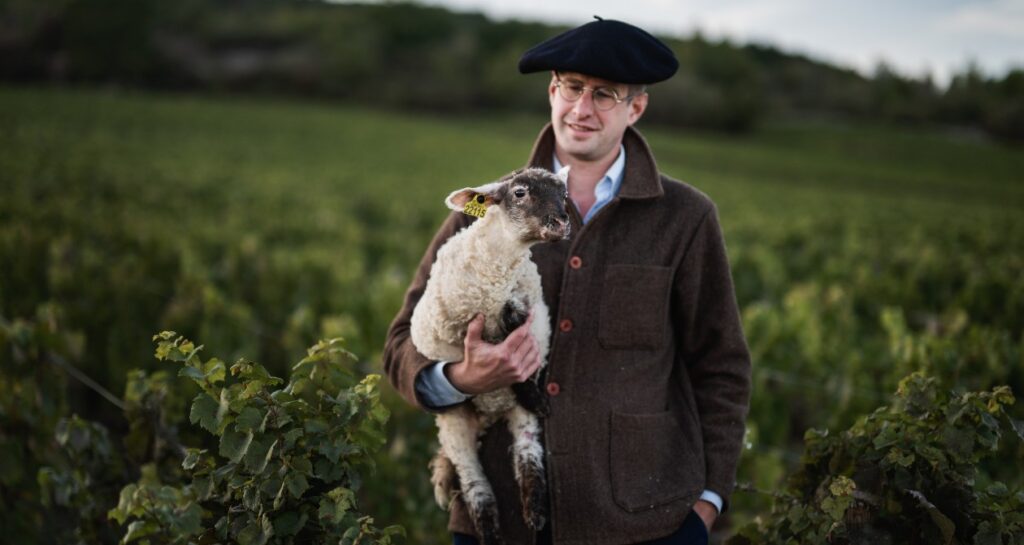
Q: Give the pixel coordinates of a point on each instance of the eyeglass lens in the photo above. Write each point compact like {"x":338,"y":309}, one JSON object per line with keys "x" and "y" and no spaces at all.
{"x":603,"y":97}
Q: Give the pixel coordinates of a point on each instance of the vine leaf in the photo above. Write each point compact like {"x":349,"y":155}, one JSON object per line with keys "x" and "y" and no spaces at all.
{"x":1018,"y":426}
{"x":234,"y":445}
{"x":204,"y":412}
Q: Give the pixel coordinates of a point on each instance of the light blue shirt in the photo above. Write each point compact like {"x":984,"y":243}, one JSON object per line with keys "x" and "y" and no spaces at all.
{"x":433,"y":386}
{"x":608,"y":187}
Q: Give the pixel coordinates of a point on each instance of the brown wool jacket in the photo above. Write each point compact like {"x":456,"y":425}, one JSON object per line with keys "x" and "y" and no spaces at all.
{"x":648,"y":374}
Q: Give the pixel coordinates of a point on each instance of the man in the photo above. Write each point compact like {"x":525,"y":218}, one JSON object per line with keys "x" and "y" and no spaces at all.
{"x":648,"y":372}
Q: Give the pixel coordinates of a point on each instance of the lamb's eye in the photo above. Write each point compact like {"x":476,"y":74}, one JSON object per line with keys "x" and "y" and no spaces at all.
{"x":520,"y":193}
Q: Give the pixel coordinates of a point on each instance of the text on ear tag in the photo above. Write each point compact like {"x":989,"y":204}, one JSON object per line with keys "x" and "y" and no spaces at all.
{"x":475,"y":206}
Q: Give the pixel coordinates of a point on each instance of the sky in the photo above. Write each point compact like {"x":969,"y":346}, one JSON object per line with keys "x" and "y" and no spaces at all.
{"x":916,"y":37}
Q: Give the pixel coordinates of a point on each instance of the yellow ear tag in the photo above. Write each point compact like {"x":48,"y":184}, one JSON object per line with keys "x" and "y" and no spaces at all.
{"x":475,"y":207}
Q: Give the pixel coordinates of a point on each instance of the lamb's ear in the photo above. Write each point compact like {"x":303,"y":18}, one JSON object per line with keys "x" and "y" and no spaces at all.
{"x":458,"y":199}
{"x":563,"y":174}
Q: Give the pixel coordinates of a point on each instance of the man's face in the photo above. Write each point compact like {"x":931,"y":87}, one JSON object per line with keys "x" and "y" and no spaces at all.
{"x":582,"y":130}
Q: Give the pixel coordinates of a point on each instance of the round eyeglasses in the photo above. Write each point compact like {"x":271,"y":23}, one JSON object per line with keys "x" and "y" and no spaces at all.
{"x":605,"y":98}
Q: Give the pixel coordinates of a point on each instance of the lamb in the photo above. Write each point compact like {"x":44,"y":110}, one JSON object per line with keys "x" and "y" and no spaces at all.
{"x":486,"y":269}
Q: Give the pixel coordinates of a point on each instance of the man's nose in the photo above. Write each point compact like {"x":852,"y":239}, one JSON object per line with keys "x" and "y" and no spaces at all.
{"x":585,"y":104}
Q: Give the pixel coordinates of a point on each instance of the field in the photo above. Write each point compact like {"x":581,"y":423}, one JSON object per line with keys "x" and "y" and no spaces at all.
{"x":861,"y":254}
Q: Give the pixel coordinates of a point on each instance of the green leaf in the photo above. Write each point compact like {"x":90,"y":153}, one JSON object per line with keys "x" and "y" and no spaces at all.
{"x":289,"y":523}
{"x":188,"y":520}
{"x":191,"y":458}
{"x":260,"y":452}
{"x":234,"y":444}
{"x":250,"y":419}
{"x":214,"y":371}
{"x":202,"y":487}
{"x":192,"y":373}
{"x":139,"y":529}
{"x":124,"y":504}
{"x":204,"y":412}
{"x":297,"y":484}
{"x":223,"y":408}
{"x":254,"y":533}
{"x":987,"y":535}
{"x":302,"y":465}
{"x":291,"y":436}
{"x":315,"y":425}
{"x":335,"y":504}
{"x":1018,"y":427}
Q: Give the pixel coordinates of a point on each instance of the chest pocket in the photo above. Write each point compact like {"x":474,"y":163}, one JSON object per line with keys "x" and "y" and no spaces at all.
{"x":634,"y":307}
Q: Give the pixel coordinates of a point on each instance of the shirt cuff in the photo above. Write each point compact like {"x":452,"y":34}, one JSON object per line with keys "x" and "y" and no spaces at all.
{"x":712,"y":498}
{"x":434,"y":388}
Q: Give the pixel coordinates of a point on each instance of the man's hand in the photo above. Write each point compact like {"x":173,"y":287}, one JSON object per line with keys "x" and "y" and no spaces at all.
{"x":486,"y":367}
{"x":707,"y":512}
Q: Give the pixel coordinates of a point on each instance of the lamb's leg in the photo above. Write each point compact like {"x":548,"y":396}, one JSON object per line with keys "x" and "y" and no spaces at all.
{"x":458,"y":430}
{"x":528,"y":393}
{"x":444,"y":479}
{"x":531,"y":396}
{"x":528,"y":462}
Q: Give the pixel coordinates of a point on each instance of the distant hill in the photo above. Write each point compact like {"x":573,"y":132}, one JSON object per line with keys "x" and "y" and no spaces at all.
{"x":417,"y":57}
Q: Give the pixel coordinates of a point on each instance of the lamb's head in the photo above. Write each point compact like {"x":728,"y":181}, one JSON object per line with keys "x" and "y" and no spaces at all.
{"x":533,"y":200}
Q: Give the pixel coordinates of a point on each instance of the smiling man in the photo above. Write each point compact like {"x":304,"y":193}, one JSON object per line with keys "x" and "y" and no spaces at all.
{"x":648,"y":376}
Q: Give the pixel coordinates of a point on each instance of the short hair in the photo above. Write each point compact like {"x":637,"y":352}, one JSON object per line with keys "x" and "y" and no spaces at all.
{"x":635,"y":89}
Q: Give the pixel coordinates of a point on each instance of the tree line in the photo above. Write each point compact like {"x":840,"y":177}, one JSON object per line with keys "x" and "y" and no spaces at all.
{"x":416,"y":57}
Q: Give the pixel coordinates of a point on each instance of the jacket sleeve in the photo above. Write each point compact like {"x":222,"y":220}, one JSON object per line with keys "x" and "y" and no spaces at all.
{"x":402,"y":363}
{"x":714,"y":351}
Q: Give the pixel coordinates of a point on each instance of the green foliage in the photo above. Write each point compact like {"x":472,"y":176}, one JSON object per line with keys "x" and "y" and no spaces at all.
{"x":289,"y":461}
{"x":905,"y":474}
{"x":81,"y":487}
{"x":860,"y":255}
{"x":32,"y":402}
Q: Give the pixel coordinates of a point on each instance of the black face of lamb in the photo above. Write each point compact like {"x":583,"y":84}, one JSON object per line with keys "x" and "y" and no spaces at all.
{"x":534,"y":199}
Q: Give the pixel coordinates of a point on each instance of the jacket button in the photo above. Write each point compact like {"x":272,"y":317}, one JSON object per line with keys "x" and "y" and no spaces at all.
{"x":565,"y":325}
{"x":553,"y":388}
{"x":575,"y":262}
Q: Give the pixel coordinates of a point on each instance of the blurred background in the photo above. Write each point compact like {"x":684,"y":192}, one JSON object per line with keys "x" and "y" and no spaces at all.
{"x":261,"y":174}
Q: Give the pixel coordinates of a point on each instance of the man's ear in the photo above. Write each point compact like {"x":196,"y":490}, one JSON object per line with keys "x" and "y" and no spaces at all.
{"x":637,"y":106}
{"x":491,"y":194}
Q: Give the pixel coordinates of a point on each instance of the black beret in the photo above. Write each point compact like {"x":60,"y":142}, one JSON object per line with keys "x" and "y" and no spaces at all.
{"x":604,"y":48}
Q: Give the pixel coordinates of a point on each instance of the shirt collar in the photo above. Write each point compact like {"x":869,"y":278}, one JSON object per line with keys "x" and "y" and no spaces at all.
{"x":609,"y":185}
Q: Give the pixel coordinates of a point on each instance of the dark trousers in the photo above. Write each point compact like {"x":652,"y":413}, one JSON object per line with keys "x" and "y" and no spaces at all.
{"x":692,"y":532}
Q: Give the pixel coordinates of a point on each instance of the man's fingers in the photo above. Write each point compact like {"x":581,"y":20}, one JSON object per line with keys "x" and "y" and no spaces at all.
{"x":518,"y":350}
{"x":521,"y":333}
{"x":475,"y":328}
{"x":530,"y":363}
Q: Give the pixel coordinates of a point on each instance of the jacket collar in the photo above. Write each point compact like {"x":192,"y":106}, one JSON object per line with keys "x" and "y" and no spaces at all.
{"x":640,"y":179}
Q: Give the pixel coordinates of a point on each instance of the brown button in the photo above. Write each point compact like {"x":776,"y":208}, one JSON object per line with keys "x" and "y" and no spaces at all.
{"x":575,"y":262}
{"x":565,"y":325}
{"x":553,"y":388}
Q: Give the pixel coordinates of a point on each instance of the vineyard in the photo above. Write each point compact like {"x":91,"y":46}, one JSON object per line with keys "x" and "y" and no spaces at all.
{"x":880,"y":272}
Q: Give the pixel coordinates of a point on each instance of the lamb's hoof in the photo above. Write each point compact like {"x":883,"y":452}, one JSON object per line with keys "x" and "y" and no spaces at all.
{"x":445,"y":480}
{"x":486,"y":521}
{"x":533,"y":496}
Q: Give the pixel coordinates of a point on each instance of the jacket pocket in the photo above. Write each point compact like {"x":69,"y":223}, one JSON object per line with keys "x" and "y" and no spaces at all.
{"x":654,"y":460}
{"x":634,"y":307}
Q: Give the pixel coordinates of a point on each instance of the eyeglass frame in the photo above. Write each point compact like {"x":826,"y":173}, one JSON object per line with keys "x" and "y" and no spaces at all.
{"x":614,"y":94}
